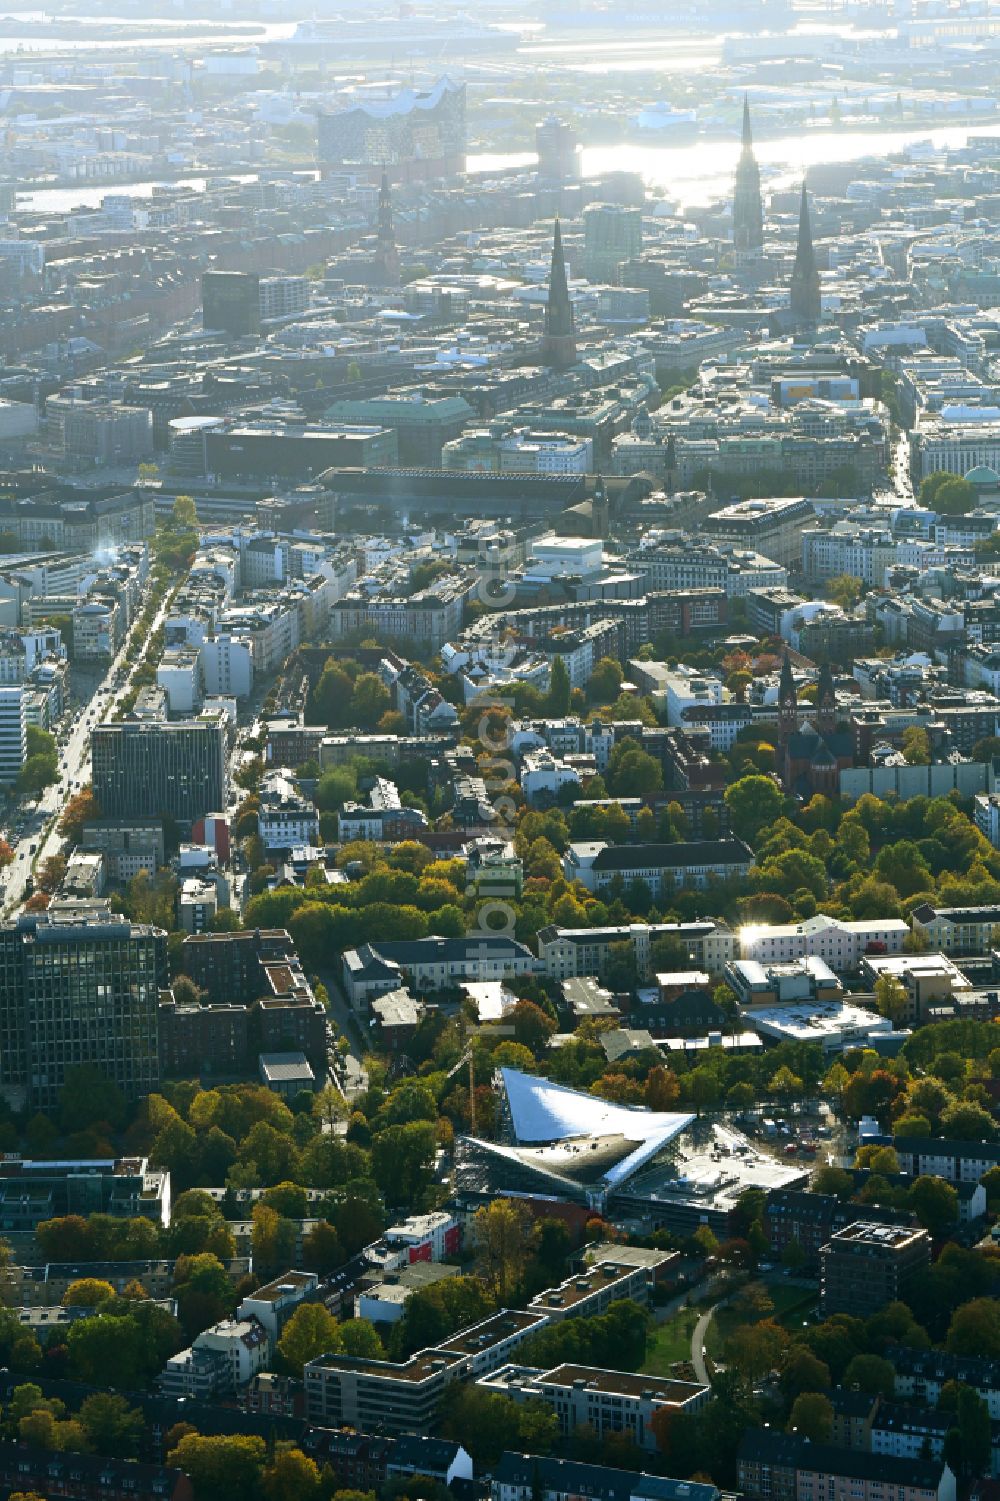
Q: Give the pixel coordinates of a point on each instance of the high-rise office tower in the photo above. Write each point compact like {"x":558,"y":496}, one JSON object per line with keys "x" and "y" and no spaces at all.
{"x":805,"y":298}
{"x":230,"y":302}
{"x":558,"y":151}
{"x":148,"y":768}
{"x":612,"y":233}
{"x":559,"y":342}
{"x":748,"y":213}
{"x":79,"y":984}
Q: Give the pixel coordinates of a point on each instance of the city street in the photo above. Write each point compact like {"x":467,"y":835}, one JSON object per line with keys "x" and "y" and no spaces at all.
{"x":41,"y":838}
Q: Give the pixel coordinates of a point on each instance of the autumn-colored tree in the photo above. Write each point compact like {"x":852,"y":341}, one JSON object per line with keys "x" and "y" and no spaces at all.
{"x":310,"y":1331}
{"x":662,"y":1089}
{"x":81,"y":809}
{"x":502,"y":1233}
{"x":292,"y":1477}
{"x":87,"y":1292}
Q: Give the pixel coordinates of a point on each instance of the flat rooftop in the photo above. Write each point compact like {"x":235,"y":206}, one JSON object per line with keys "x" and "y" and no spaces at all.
{"x":577,"y":1289}
{"x":812,"y":1021}
{"x":867,"y":1233}
{"x":622,"y":1383}
{"x":491,"y":1331}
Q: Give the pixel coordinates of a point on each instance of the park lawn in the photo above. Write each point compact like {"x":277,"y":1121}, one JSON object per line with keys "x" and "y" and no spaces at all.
{"x":791,"y":1306}
{"x":670,"y":1341}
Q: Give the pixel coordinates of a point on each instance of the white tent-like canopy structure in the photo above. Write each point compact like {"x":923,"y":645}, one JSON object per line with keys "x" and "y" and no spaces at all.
{"x":575,"y":1140}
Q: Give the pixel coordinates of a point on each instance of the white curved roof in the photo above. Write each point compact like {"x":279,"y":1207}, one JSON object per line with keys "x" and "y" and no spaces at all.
{"x":545,"y":1112}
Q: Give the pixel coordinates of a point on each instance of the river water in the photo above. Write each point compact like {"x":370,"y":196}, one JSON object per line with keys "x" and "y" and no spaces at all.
{"x":691,"y":175}
{"x":702,"y":171}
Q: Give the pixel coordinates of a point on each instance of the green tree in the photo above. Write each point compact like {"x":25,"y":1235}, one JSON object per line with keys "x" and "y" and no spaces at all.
{"x":955,"y":497}
{"x":844,"y":589}
{"x":401,"y":1159}
{"x":557,"y":699}
{"x":812,"y":1417}
{"x":112,"y":1426}
{"x":975,"y":1329}
{"x":916,"y":745}
{"x":870,"y":1373}
{"x":636,"y":774}
{"x":369,"y":701}
{"x":203,"y":1291}
{"x":360,"y":1338}
{"x":605,"y":681}
{"x":322,"y":1251}
{"x":935,"y":1204}
{"x":273,"y":1240}
{"x":221,"y":1467}
{"x":975,"y":1431}
{"x":891,"y":998}
{"x":754,"y":803}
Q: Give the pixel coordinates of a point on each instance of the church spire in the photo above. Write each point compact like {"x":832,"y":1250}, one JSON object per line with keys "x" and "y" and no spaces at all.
{"x":788,"y":700}
{"x":747,"y":134}
{"x":805,"y":298}
{"x":559,"y":342}
{"x":826,"y":700}
{"x":748,"y":212}
{"x":386,"y":254}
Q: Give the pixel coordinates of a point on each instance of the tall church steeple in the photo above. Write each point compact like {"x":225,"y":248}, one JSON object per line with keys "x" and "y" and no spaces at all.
{"x":386,"y":253}
{"x":826,"y":701}
{"x":805,"y":299}
{"x":788,"y":700}
{"x":748,"y":212}
{"x":559,"y":342}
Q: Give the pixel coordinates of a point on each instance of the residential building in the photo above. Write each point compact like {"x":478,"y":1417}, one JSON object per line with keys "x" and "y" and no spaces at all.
{"x":219,"y":1362}
{"x":954,"y":1161}
{"x":89,"y":1477}
{"x":285,"y":818}
{"x":795,"y":1216}
{"x":396,"y":1017}
{"x":805,"y":980}
{"x":420,"y":1238}
{"x":679,"y":564}
{"x":379,"y":1395}
{"x":608,"y":1402}
{"x":921,"y":1375}
{"x":13,"y":734}
{"x":612,"y":234}
{"x":385,"y":819}
{"x":957,"y":930}
{"x":528,"y":1477}
{"x":663,"y":867}
{"x":493,"y":868}
{"x":543,"y":777}
{"x":866,"y":1265}
{"x":287,"y":1074}
{"x":273,"y":1304}
{"x":986,"y":816}
{"x":776,"y":1466}
{"x":428,"y":618}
